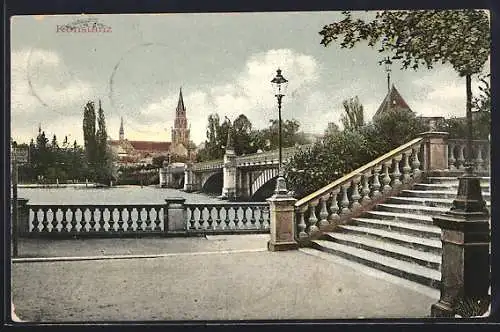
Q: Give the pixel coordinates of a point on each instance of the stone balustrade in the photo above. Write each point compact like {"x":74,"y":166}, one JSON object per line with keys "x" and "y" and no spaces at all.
{"x":87,"y":219}
{"x":175,"y":217}
{"x":227,"y":217}
{"x":208,"y":165}
{"x":360,"y":190}
{"x":268,"y":157}
{"x":457,"y":154}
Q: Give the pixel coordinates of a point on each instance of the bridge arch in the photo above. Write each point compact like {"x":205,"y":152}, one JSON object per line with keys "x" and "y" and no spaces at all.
{"x":263,"y":185}
{"x":212,"y":182}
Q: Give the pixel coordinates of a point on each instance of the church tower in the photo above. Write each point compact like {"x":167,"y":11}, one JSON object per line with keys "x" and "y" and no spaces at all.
{"x":180,"y":132}
{"x":122,"y":133}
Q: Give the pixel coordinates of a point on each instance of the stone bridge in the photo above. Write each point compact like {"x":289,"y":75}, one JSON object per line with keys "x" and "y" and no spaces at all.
{"x":248,"y":177}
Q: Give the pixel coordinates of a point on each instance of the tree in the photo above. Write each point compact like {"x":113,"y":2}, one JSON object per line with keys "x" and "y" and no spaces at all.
{"x":103,"y":155}
{"x":331,"y":129}
{"x":423,"y":38}
{"x":89,"y":137}
{"x":353,"y":117}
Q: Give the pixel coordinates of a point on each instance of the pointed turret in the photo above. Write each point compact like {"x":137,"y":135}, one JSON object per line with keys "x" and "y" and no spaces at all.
{"x":180,"y":110}
{"x":392,"y":102}
{"x":122,"y":132}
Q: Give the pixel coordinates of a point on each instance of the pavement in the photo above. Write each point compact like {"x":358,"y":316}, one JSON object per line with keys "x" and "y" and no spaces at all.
{"x":222,"y":277}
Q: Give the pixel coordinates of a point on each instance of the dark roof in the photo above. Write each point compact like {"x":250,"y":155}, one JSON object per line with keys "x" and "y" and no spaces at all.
{"x":150,"y":146}
{"x":392,"y":101}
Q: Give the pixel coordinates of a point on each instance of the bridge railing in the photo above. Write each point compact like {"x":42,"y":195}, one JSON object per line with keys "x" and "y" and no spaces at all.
{"x":268,"y":156}
{"x":370,"y":184}
{"x":174,"y":217}
{"x":208,"y":165}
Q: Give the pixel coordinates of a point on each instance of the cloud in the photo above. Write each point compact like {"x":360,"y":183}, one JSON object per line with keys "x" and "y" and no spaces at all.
{"x":249,"y":92}
{"x":33,"y":84}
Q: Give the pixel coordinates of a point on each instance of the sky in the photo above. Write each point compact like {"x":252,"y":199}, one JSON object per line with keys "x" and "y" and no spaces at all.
{"x":224,"y":63}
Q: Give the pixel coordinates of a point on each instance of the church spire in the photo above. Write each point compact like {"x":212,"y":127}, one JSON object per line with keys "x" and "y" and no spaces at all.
{"x":180,"y":104}
{"x":122,"y":133}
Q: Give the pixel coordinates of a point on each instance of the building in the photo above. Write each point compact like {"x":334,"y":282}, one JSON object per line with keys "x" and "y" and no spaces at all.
{"x":142,"y":152}
{"x":394,"y":102}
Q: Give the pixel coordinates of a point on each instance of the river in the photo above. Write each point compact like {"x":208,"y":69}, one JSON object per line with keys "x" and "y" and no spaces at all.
{"x":113,"y":195}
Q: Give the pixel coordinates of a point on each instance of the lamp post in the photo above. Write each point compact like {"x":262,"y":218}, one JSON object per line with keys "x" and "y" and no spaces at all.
{"x":280,"y":84}
{"x":387,"y":64}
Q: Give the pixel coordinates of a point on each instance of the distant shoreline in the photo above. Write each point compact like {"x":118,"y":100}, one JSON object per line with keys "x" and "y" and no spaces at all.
{"x":62,"y":185}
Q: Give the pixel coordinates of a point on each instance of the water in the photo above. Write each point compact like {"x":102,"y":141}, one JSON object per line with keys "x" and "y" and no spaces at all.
{"x":113,"y":195}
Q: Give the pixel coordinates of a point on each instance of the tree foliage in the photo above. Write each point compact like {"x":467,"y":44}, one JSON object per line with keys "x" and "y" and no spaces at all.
{"x":420,"y":37}
{"x":353,"y":117}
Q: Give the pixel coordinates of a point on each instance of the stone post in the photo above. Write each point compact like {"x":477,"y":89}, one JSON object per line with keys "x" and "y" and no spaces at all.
{"x":465,"y":265}
{"x":435,"y":151}
{"x":163,"y":177}
{"x":174,"y":218}
{"x":282,"y":216}
{"x":188,"y":178}
{"x":229,"y":171}
{"x":23,"y":217}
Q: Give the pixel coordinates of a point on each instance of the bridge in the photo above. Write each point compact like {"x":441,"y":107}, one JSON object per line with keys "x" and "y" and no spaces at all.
{"x":246,"y":177}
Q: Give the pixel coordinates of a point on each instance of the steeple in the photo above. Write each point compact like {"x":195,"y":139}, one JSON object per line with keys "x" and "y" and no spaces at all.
{"x":180,"y":132}
{"x":180,"y":104}
{"x":122,"y":133}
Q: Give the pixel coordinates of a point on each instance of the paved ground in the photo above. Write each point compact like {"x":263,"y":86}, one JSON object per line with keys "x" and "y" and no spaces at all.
{"x":204,"y":281}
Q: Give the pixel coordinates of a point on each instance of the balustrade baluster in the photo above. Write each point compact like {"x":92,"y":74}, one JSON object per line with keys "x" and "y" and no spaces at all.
{"x":190,"y":212}
{"x":125,"y":224}
{"x":244,"y":219}
{"x":98,"y":218}
{"x":461,"y":158}
{"x":451,"y":158}
{"x":146,"y":219}
{"x":48,"y":220}
{"x":344,"y":203}
{"x":252,"y":218}
{"x":116,"y":216}
{"x":67,"y":220}
{"x":323,"y":213}
{"x":265,"y":217}
{"x":376,"y":182}
{"x":237,"y":220}
{"x":218,"y":221}
{"x":57,"y":221}
{"x":416,"y":162}
{"x":479,"y":158}
{"x":106,"y":217}
{"x":227,"y":220}
{"x":355,"y":196}
{"x":334,"y":216}
{"x":197,"y":218}
{"x":406,"y":168}
{"x":77,"y":220}
{"x":312,"y":216}
{"x":396,"y":174}
{"x":234,"y":220}
{"x":153,"y":215}
{"x":386,"y":179}
{"x":34,"y":223}
{"x":301,"y":224}
{"x":208,"y":221}
{"x":365,"y":191}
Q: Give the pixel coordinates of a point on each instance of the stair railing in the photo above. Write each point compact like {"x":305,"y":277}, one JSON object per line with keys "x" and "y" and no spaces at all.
{"x":457,"y":149}
{"x":360,"y":190}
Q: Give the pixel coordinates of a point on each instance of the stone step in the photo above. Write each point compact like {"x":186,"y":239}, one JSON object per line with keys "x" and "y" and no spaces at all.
{"x":453,"y":180}
{"x":438,"y":193}
{"x":426,"y":201}
{"x":444,"y":186}
{"x":404,"y":217}
{"x":409,"y":241}
{"x":415,"y":229}
{"x":412,"y":209}
{"x":422,"y":258}
{"x":411,"y":271}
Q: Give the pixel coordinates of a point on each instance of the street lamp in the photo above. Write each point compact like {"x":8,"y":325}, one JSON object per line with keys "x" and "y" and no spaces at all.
{"x":280,"y":84}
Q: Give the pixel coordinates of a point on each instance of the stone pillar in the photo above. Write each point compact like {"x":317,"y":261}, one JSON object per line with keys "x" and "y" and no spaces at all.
{"x":23,"y":217}
{"x":229,"y":171}
{"x":188,"y":178}
{"x":174,"y":216}
{"x":435,"y":151}
{"x":243,"y":184}
{"x":162,"y":174}
{"x":465,"y":266}
{"x":282,"y":216}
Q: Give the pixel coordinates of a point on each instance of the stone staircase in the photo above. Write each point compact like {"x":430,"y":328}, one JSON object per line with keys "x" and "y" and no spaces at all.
{"x":398,"y":236}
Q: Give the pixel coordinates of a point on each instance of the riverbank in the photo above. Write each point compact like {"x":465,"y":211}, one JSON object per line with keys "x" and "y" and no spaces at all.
{"x":61,"y":185}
